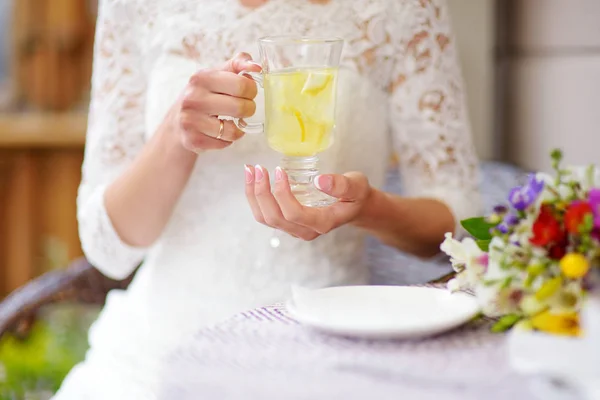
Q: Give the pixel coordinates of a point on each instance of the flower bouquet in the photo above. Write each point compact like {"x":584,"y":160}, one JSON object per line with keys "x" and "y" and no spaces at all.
{"x":532,"y":261}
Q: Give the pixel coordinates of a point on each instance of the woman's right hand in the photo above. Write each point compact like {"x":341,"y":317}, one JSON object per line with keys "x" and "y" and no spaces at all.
{"x":211,"y":93}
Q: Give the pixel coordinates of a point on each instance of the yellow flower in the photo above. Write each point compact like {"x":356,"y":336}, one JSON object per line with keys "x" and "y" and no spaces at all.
{"x":574,"y":265}
{"x":566,"y":324}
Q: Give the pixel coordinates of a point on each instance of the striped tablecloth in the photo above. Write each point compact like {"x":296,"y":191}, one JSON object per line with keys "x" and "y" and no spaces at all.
{"x":265,"y":354}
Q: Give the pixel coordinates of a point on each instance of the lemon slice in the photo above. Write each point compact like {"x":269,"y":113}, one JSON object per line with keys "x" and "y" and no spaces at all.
{"x":300,"y":120}
{"x":316,"y":83}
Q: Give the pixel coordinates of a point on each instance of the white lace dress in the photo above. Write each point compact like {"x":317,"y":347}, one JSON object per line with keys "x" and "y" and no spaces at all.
{"x":400,"y":88}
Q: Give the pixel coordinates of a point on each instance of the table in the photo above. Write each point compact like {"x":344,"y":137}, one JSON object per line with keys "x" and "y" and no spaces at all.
{"x":265,"y":354}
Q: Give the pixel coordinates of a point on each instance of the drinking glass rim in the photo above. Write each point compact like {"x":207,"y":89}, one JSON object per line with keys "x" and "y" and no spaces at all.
{"x":291,"y":39}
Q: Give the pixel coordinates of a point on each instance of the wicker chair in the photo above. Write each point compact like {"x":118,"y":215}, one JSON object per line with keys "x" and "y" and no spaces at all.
{"x":80,"y":283}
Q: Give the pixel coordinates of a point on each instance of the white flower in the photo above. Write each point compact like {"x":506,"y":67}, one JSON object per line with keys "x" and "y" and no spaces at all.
{"x":497,"y":247}
{"x":489,"y":300}
{"x":547,"y":194}
{"x":466,"y":258}
{"x":461,"y":253}
{"x":523,"y":231}
{"x":454,"y":285}
{"x":587,"y":176}
{"x":569,"y":298}
{"x":530,"y":305}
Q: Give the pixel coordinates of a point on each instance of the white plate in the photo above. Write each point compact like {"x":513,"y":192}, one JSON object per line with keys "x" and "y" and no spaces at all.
{"x":382,"y":312}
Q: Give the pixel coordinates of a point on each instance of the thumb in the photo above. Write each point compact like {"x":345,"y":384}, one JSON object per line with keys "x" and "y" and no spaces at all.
{"x":350,"y":187}
{"x":241,"y":62}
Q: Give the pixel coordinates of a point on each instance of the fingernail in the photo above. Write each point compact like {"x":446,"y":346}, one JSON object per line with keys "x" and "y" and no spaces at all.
{"x":278,"y":174}
{"x":324,"y":182}
{"x":249,"y":175}
{"x":258,"y":173}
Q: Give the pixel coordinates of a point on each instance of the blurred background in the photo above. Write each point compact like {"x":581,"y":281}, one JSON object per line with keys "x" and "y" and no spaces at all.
{"x":532,"y":70}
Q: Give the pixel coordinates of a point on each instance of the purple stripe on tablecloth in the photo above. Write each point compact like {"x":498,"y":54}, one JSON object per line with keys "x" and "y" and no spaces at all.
{"x":265,"y":313}
{"x":251,"y":314}
{"x":283,"y":317}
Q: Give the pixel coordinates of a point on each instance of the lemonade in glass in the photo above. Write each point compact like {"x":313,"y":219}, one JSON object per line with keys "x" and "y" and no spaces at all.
{"x":300,"y":110}
{"x":299,"y":76}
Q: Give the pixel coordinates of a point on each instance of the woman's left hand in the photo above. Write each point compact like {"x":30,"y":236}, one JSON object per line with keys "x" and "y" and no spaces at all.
{"x":279,"y":208}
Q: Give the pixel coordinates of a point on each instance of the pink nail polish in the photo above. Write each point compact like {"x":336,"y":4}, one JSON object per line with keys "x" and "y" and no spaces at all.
{"x":254,"y":63}
{"x":324,"y":182}
{"x":278,"y":174}
{"x":249,"y":175}
{"x":258,"y":173}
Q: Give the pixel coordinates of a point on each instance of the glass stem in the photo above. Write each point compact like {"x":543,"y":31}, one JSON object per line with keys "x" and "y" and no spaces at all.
{"x":301,"y":172}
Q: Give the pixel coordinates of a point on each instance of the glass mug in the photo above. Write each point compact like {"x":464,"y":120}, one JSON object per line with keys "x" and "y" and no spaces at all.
{"x":299,"y":77}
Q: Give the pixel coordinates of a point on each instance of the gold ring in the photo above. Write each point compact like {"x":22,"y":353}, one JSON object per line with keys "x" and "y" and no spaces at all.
{"x":221,"y":129}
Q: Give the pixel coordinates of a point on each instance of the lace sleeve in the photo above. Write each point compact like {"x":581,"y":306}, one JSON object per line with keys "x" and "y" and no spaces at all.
{"x":431,"y":131}
{"x":115,"y":135}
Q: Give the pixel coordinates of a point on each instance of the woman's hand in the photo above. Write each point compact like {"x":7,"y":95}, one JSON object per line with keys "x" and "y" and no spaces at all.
{"x":140,"y":201}
{"x":280,"y":209}
{"x":396,"y":220}
{"x":209,"y":94}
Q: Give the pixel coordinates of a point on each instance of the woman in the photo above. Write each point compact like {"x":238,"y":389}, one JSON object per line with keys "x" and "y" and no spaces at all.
{"x":163,"y":182}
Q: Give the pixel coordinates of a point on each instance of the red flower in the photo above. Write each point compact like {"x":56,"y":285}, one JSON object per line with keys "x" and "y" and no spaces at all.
{"x":575,"y":214}
{"x":558,"y":251}
{"x":546,"y":229}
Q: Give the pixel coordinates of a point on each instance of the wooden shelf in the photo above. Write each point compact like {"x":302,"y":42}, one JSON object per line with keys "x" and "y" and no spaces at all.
{"x":33,"y":129}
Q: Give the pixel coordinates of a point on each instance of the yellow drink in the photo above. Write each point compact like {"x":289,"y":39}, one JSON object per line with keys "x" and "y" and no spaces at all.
{"x":299,"y":110}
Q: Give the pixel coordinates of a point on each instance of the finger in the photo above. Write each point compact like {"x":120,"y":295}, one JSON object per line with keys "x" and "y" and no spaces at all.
{"x":349,"y":187}
{"x":270,"y":208}
{"x":241,"y":62}
{"x":230,"y":133}
{"x":194,"y":122}
{"x":314,"y":218}
{"x":249,"y":188}
{"x":219,"y":104}
{"x":197,"y":142}
{"x":224,"y":82}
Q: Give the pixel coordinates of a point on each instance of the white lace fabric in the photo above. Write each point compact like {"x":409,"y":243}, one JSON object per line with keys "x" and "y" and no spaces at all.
{"x":400,"y":87}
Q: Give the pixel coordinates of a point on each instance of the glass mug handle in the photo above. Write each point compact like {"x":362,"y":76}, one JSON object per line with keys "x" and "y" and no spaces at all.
{"x":251,"y":127}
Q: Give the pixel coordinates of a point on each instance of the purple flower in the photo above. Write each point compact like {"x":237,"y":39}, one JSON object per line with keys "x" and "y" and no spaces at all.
{"x":522,"y":197}
{"x":511,"y":219}
{"x":500,"y":209}
{"x":594,"y":200}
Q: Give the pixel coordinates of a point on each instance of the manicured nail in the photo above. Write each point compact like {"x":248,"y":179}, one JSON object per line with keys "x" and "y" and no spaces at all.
{"x":249,"y":174}
{"x":253,"y":63}
{"x":258,"y":173}
{"x":324,"y":182}
{"x":278,"y":174}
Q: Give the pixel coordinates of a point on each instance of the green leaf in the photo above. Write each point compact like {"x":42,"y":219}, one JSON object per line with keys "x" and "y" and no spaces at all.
{"x":556,"y":155}
{"x":484,"y":245}
{"x":589,"y":175}
{"x":505,"y":323}
{"x":528,"y":281}
{"x":491,"y":282}
{"x":536,"y":269}
{"x":587,"y":225}
{"x":506,"y":283}
{"x":549,"y":288}
{"x":478,"y":227}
